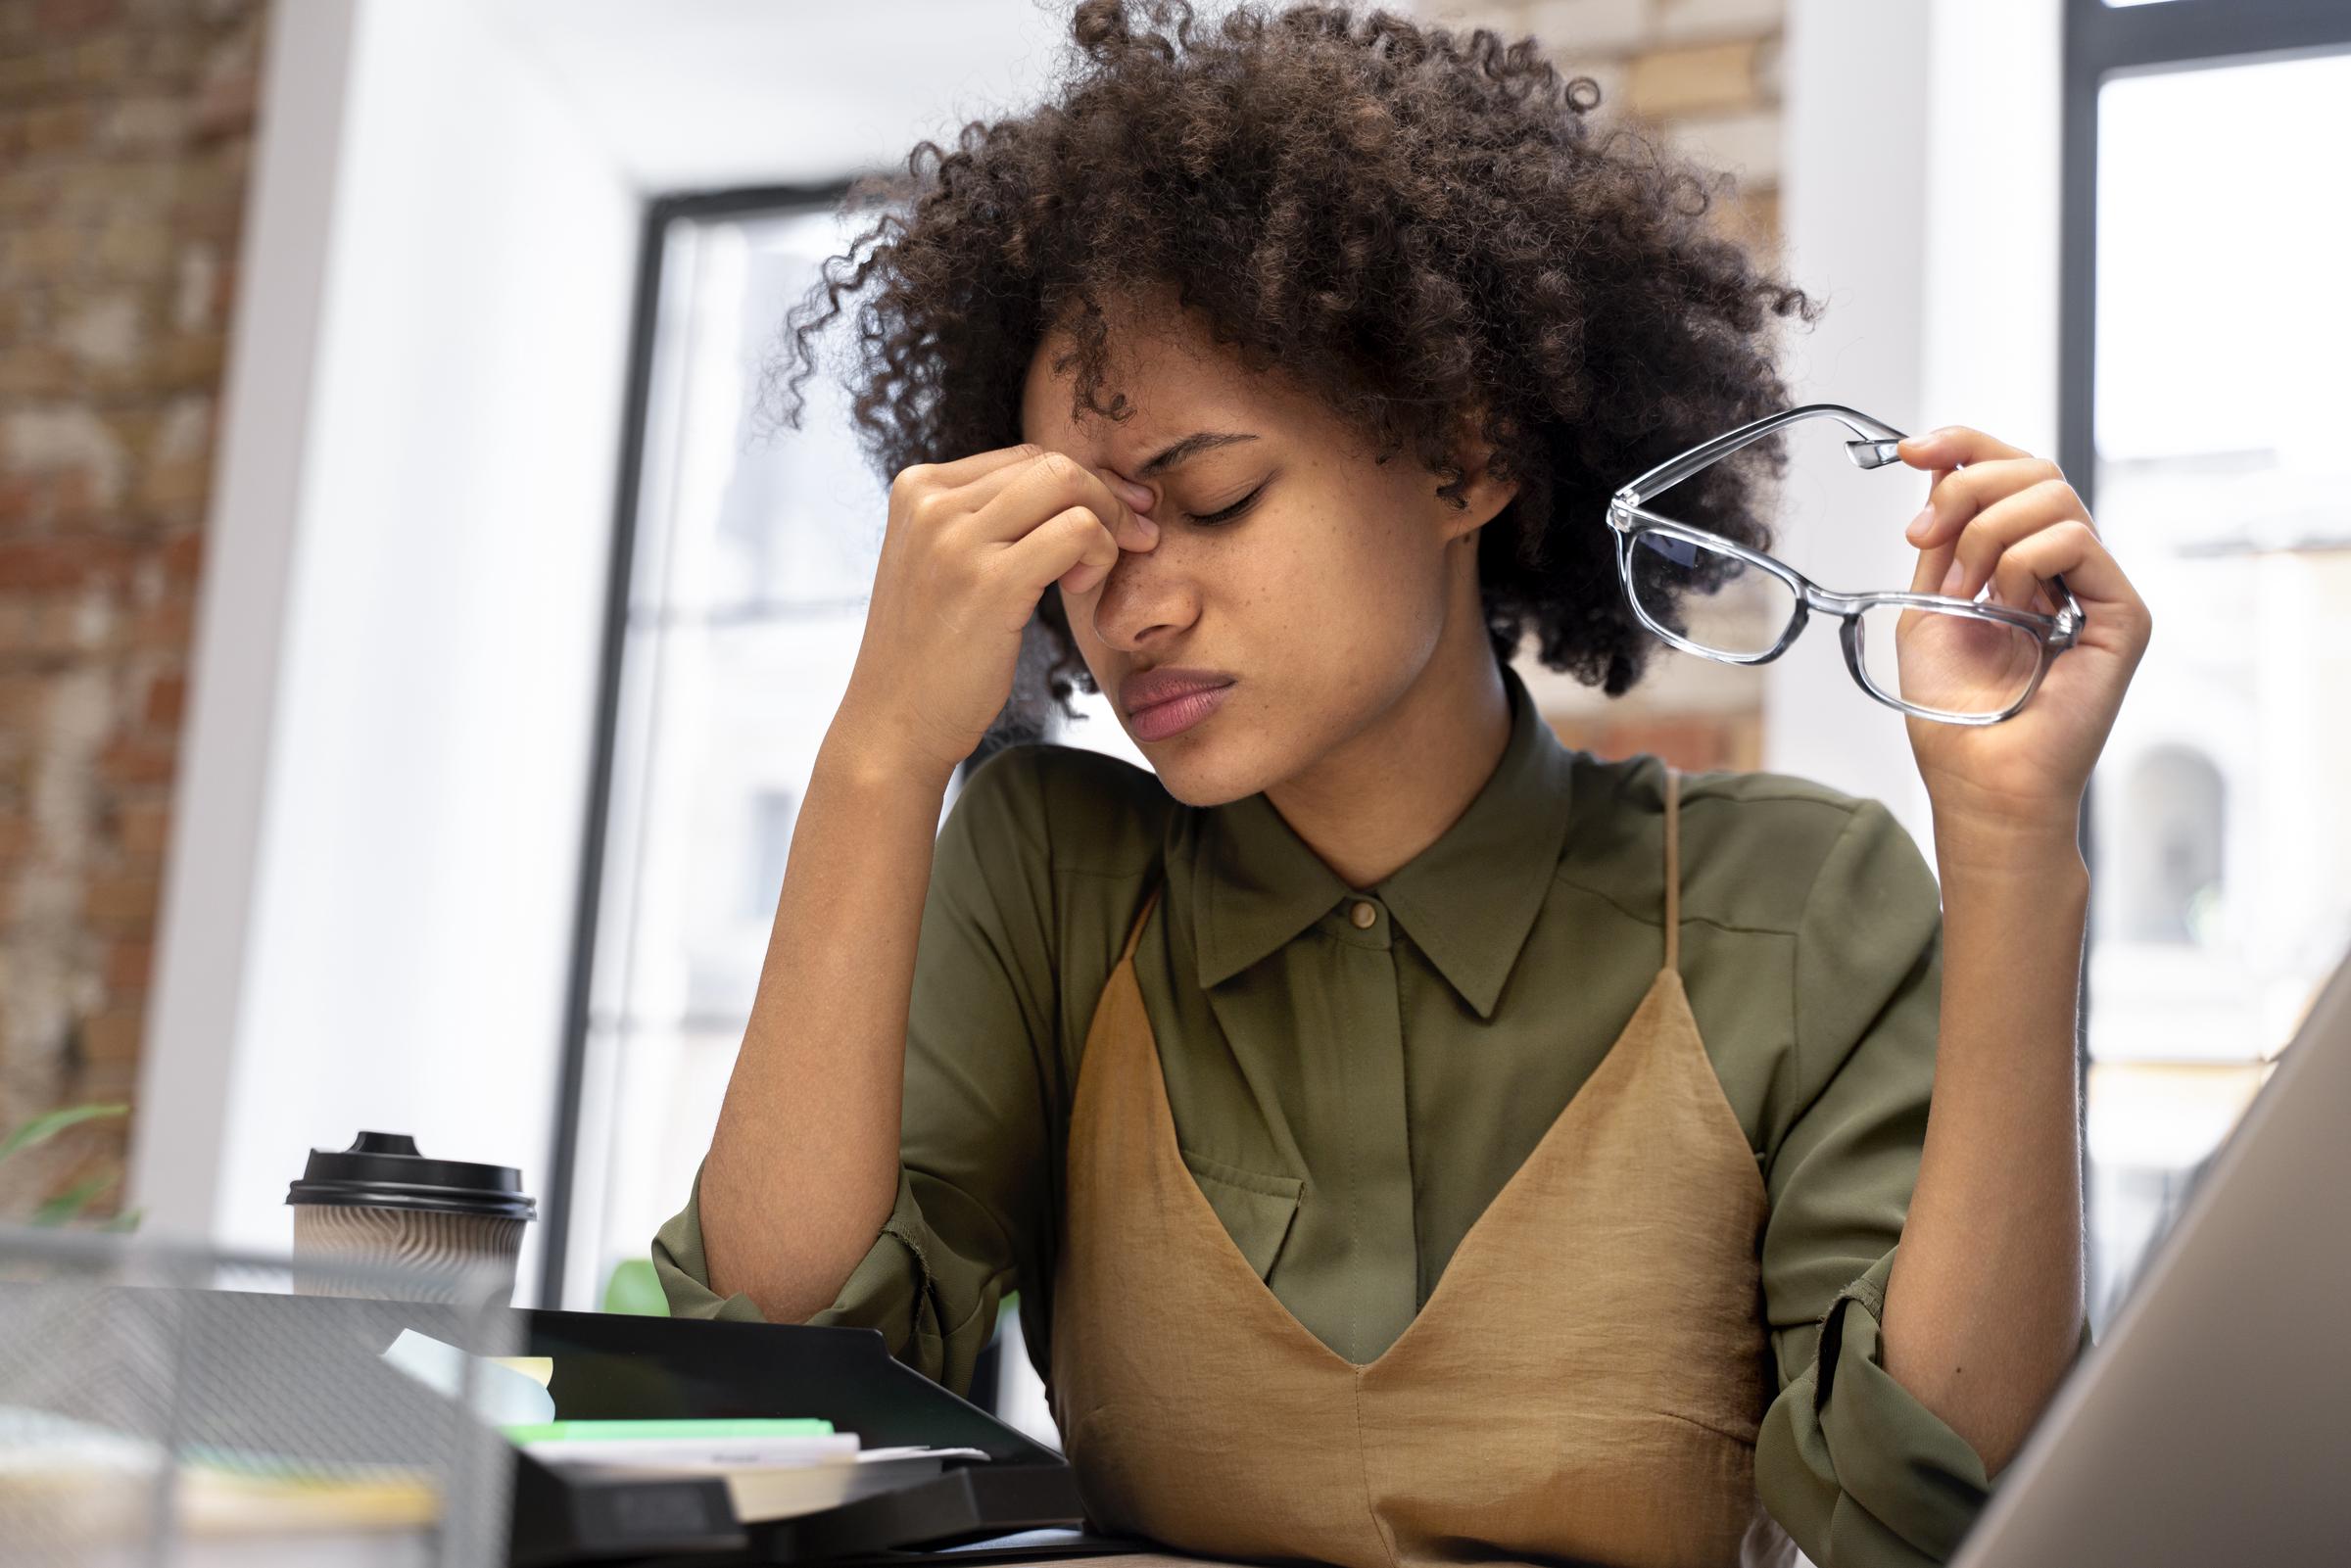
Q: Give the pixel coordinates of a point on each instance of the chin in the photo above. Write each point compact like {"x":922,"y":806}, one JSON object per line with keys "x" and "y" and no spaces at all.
{"x":1205,"y":772}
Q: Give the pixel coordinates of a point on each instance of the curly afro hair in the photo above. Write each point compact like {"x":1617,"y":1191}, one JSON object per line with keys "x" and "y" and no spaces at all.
{"x":1421,"y":227}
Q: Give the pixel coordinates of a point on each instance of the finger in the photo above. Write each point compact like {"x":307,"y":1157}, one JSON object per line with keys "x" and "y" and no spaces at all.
{"x":1953,"y":447}
{"x":1138,"y":497}
{"x":1933,"y":565}
{"x":1072,"y":546}
{"x":964,"y":470}
{"x":1993,"y":530}
{"x":2073,"y":550}
{"x":1959,"y":497}
{"x":1012,"y":500}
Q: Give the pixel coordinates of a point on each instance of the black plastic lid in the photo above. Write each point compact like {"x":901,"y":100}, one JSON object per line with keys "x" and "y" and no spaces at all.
{"x":384,"y":1170}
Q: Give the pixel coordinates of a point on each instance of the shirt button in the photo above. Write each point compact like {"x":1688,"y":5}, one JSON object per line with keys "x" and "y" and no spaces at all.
{"x":1365,"y":914}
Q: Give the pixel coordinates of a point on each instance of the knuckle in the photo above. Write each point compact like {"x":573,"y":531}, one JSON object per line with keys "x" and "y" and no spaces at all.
{"x":929,"y":509}
{"x":913,"y":479}
{"x":1059,"y":467}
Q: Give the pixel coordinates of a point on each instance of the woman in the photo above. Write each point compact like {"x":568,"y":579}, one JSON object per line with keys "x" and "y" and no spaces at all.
{"x":1411,"y":1141}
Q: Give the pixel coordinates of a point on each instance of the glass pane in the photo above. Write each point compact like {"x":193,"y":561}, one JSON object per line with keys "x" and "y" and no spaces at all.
{"x":2225,"y":861}
{"x":754,"y":560}
{"x":755,"y":519}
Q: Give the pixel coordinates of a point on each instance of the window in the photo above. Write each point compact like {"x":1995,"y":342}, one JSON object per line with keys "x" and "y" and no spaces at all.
{"x":746,"y":560}
{"x":2203,"y":257}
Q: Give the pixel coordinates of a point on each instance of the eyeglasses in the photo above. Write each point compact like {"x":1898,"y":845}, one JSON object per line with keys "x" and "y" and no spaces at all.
{"x":1954,"y":660}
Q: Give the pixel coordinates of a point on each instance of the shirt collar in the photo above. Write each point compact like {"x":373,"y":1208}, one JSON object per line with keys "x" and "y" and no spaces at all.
{"x":1467,"y":900}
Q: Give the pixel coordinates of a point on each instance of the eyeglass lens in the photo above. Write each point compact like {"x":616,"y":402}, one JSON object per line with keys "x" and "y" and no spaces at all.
{"x":1717,"y":601}
{"x":1957,"y":665}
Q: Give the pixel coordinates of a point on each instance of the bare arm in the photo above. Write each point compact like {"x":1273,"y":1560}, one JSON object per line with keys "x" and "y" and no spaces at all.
{"x":1984,"y":1305}
{"x":802,"y":1169}
{"x":805,"y":1163}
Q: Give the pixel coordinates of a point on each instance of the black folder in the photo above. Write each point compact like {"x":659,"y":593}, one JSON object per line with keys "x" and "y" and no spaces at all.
{"x":637,"y":1368}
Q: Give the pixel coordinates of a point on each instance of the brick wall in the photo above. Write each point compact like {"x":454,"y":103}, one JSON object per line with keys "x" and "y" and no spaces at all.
{"x":125,"y":135}
{"x":1705,"y":76}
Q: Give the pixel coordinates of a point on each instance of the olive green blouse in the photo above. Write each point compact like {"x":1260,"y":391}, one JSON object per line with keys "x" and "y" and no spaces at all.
{"x":1355,"y":1075}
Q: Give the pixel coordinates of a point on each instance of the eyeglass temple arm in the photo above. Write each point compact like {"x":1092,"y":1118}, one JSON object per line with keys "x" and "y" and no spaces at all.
{"x":1873,"y":448}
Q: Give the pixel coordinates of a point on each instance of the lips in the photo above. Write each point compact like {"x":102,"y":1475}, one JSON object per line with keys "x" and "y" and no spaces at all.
{"x":1162,"y":703}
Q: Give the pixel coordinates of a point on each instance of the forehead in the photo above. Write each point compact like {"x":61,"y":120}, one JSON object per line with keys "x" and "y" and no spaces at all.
{"x":1174,"y":377}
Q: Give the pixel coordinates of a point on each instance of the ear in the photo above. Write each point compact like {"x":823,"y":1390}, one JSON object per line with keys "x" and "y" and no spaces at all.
{"x":1484,"y":496}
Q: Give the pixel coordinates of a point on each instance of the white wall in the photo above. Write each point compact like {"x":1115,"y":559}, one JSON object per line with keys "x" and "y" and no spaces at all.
{"x":424,"y":747}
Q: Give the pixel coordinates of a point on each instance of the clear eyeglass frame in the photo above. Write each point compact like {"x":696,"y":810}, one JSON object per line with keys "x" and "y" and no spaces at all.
{"x":1872,"y":447}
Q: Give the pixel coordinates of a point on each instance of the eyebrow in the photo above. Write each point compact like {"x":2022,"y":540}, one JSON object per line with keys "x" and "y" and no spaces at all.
{"x":1191,"y":446}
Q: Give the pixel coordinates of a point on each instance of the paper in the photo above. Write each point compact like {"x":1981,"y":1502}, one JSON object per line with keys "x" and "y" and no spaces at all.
{"x":540,"y":1369}
{"x":699,"y":1453}
{"x":501,"y":1395}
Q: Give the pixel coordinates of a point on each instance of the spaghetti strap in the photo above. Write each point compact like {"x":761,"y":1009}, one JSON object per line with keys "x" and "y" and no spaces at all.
{"x":1673,"y":868}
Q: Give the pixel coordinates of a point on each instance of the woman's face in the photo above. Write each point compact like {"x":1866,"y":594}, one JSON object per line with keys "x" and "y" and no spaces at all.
{"x":1321,"y":601}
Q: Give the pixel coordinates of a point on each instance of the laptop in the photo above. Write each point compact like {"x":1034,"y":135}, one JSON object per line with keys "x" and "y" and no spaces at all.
{"x":2212,"y":1424}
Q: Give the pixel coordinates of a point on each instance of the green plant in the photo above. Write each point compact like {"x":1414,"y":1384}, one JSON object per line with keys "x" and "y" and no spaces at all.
{"x":68,"y":1205}
{"x":635,"y":1289}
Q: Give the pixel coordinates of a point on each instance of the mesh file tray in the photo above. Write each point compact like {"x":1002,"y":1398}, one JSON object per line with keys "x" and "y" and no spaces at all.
{"x":164,"y":1404}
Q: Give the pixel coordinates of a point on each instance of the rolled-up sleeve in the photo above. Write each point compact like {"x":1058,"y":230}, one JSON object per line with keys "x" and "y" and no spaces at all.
{"x":972,"y":1209}
{"x":1858,"y":1471}
{"x":936,"y":1320}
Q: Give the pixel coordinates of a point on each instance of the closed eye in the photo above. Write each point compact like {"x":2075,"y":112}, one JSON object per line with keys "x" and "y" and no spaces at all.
{"x":1232,"y":511}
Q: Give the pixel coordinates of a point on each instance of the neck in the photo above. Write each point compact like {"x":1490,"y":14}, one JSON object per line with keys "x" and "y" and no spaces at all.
{"x":1389,"y":792}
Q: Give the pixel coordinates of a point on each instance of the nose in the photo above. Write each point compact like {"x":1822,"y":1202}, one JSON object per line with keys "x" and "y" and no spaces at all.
{"x":1146,"y":599}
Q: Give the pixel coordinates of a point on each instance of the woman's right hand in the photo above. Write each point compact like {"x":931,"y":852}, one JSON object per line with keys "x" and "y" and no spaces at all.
{"x":970,"y":548}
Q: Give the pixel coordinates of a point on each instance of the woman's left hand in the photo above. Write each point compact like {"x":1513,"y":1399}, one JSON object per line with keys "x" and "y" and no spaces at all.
{"x":2001,"y":515}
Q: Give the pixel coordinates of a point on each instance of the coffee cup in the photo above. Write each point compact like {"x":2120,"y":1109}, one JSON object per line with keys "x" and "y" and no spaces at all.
{"x":382,"y":1204}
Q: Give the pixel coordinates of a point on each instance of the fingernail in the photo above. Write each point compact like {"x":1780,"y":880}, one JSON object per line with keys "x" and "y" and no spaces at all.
{"x":1953,"y":579}
{"x":1150,"y":529}
{"x":1916,"y":533}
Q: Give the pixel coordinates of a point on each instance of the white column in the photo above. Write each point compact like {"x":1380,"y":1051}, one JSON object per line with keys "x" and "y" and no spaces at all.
{"x":203,"y":954}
